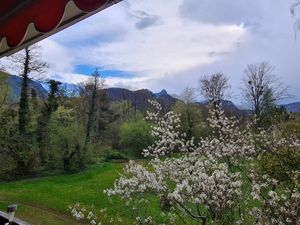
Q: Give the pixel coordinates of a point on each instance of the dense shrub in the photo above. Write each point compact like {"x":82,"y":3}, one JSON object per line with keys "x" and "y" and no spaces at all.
{"x":136,"y":136}
{"x":113,"y":155}
{"x":280,"y":163}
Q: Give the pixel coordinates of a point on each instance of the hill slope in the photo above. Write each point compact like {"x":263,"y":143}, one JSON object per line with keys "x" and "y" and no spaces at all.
{"x":292,"y":107}
{"x":14,"y":83}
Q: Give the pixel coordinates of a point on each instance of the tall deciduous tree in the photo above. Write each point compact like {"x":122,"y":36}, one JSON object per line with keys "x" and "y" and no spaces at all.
{"x":189,"y":113}
{"x":214,"y":88}
{"x":93,"y":101}
{"x":262,"y":87}
{"x":42,"y":127}
{"x":27,"y":63}
{"x":92,"y":96}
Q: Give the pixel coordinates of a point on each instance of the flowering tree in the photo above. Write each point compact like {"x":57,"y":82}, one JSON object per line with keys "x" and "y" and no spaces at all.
{"x":277,"y":192}
{"x":205,"y":181}
{"x":194,"y":182}
{"x":279,"y":202}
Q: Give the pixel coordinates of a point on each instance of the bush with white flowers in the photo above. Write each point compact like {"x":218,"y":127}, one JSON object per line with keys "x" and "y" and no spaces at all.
{"x":89,"y":215}
{"x":205,"y":181}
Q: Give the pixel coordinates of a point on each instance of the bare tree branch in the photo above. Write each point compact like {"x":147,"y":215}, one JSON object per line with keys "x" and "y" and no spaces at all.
{"x":214,"y":88}
{"x":294,"y":6}
{"x":188,"y":95}
{"x":260,"y":83}
{"x":29,"y":58}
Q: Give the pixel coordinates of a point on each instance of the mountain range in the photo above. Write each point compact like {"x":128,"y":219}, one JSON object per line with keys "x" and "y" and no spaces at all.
{"x":137,"y":98}
{"x":140,"y":97}
{"x":292,"y":107}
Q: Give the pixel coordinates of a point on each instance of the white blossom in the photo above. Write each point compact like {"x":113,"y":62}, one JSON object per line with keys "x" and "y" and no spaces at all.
{"x":204,"y":178}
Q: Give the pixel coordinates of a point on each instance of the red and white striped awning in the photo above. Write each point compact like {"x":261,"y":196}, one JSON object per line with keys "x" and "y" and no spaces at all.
{"x":24,"y":22}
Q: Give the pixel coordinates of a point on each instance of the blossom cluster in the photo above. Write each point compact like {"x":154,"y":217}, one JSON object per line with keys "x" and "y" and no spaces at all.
{"x":200,"y":181}
{"x":82,"y":213}
{"x":280,"y":203}
{"x":165,"y":132}
{"x":203,"y":180}
{"x":187,"y":181}
{"x":137,"y":179}
{"x":229,"y":141}
{"x":89,"y":215}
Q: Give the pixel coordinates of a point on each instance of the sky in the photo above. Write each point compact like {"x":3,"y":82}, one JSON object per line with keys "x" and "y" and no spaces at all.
{"x":170,"y":44}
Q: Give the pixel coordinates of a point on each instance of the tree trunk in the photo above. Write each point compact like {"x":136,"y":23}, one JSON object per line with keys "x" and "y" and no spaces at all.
{"x":24,"y":105}
{"x":43,"y":120}
{"x":91,"y":115}
{"x":22,"y":163}
{"x":67,"y":164}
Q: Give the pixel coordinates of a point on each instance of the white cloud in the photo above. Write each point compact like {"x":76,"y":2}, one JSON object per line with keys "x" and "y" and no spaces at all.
{"x":170,"y":43}
{"x":168,"y":47}
{"x":71,"y":78}
{"x":158,"y":51}
{"x":59,"y":58}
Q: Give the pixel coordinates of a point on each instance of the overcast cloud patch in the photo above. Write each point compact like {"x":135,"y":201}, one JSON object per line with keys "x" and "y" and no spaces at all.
{"x":171,"y":43}
{"x":220,"y":11}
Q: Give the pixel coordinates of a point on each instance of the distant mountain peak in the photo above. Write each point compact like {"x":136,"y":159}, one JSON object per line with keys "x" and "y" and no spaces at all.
{"x":139,"y":98}
{"x":163,"y":92}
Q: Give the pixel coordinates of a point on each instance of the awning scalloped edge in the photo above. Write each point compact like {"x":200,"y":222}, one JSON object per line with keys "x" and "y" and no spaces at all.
{"x":41,"y":17}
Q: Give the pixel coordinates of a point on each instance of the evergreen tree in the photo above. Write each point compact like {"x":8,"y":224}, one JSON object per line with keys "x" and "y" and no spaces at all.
{"x":28,"y":63}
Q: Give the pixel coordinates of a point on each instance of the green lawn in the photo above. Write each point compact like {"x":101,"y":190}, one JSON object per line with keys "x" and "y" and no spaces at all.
{"x":45,"y":200}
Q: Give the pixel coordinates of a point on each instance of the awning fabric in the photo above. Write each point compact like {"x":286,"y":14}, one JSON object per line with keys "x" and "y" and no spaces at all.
{"x":25,"y":22}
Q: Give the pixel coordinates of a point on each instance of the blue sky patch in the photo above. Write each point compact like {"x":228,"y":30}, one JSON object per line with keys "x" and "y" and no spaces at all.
{"x":89,"y":69}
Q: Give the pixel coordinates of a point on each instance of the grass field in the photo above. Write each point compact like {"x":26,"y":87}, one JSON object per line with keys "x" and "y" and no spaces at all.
{"x":45,"y":201}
